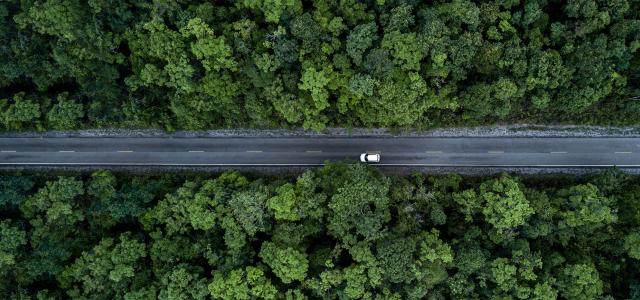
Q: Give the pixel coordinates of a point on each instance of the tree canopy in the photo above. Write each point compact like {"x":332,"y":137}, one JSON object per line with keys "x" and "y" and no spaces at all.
{"x":344,"y":231}
{"x":288,"y":63}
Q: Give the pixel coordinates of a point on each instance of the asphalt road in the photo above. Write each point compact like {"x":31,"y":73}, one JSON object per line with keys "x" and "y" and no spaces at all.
{"x":305,"y":151}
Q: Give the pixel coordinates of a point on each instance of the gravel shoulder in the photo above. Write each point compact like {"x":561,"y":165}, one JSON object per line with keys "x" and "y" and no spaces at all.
{"x":294,"y":171}
{"x":518,"y":130}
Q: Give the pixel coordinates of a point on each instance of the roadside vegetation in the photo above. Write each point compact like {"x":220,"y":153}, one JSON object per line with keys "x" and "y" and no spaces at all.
{"x":68,"y":64}
{"x":344,"y":231}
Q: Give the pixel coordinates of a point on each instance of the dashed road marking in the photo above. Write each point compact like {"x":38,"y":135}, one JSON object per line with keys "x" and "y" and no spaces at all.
{"x":558,"y":152}
{"x":495,"y":152}
{"x":254,"y":151}
{"x":124,"y":151}
{"x":433,"y":152}
{"x":623,"y":152}
{"x":8,"y":151}
{"x":66,"y":151}
{"x":314,"y":151}
{"x":195,"y":151}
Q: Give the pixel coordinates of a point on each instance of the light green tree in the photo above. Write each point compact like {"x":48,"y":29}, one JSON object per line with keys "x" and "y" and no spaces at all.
{"x":315,"y":82}
{"x":12,"y":239}
{"x":183,"y":282}
{"x":249,"y":208}
{"x":284,"y":203}
{"x":183,"y":211}
{"x":54,"y":206}
{"x":516,"y":276}
{"x":19,"y":113}
{"x":632,"y":244}
{"x":405,"y":49}
{"x":212,"y":51}
{"x":580,"y":281}
{"x":287,"y":263}
{"x":65,"y":114}
{"x":245,"y":284}
{"x":274,"y":9}
{"x":505,"y":206}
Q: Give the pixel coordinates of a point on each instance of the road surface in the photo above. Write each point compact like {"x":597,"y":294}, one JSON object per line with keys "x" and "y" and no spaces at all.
{"x":313,"y":151}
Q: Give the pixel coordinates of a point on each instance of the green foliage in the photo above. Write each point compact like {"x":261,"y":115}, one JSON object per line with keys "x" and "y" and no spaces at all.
{"x":404,"y":49}
{"x":213,"y":53}
{"x":284,"y":204}
{"x":632,"y":244}
{"x":580,"y":281}
{"x":19,"y":112}
{"x":250,"y":210}
{"x":185,"y":209}
{"x":287,"y":263}
{"x":505,"y":205}
{"x":586,"y":207}
{"x":102,"y":185}
{"x":315,"y":82}
{"x":107,"y":271}
{"x":248,"y":283}
{"x":55,"y":204}
{"x":360,"y":206}
{"x":343,"y":231}
{"x":360,"y":39}
{"x":13,"y":190}
{"x":180,"y":283}
{"x":291,"y":63}
{"x":274,"y":9}
{"x":11,"y":240}
{"x":55,"y":18}
{"x":54,"y":214}
{"x":128,"y":202}
{"x":468,"y":202}
{"x":65,"y":114}
{"x":512,"y":276}
{"x":400,"y":100}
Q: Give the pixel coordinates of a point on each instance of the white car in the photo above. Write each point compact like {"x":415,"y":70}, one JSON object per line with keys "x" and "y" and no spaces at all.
{"x":370,"y":157}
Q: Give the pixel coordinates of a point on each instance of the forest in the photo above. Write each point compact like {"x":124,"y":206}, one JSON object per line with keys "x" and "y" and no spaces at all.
{"x":344,"y":231}
{"x":187,"y":64}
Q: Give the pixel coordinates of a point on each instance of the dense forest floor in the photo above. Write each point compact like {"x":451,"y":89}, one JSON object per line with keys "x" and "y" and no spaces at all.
{"x":338,"y":232}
